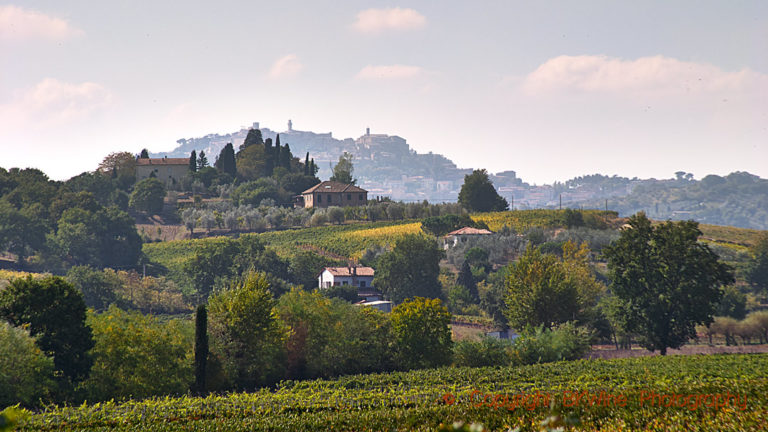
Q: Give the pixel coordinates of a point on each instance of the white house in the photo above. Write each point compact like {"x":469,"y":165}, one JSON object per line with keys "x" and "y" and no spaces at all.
{"x":360,"y":277}
{"x":382,"y":305}
{"x":461,"y":235}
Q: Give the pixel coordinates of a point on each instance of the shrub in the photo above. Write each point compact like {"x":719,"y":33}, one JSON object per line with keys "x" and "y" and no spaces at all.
{"x":540,"y":345}
{"x":485,"y":352}
{"x":25,"y":372}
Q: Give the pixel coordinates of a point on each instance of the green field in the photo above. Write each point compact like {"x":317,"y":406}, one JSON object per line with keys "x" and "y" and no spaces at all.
{"x":415,"y":401}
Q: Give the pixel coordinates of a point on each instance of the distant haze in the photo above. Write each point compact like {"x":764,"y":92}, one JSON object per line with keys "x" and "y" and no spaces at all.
{"x":551,"y":90}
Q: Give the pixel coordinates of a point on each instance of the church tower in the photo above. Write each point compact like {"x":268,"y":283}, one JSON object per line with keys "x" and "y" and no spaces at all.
{"x":290,"y":125}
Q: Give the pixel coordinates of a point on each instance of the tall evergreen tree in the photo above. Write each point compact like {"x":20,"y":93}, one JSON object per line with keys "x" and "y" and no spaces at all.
{"x":193,"y":161}
{"x":202,"y":161}
{"x":313,"y":169}
{"x":144,"y":154}
{"x":226,"y":160}
{"x":201,"y":348}
{"x":285,"y":157}
{"x":306,"y":164}
{"x":467,"y":280}
{"x":269,"y":161}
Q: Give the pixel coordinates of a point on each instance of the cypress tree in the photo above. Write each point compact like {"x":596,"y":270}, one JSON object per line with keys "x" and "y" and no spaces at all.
{"x":201,"y":348}
{"x":269,"y":163}
{"x":285,"y":157}
{"x":253,"y":137}
{"x":306,"y":164}
{"x":193,"y":161}
{"x":144,"y":154}
{"x":467,"y":280}
{"x":226,"y":160}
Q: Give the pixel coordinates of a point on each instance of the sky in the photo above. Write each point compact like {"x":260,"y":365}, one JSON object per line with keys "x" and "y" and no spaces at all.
{"x":550,"y":89}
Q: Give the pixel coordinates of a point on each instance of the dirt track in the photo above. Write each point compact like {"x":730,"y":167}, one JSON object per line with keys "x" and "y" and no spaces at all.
{"x":609,"y":352}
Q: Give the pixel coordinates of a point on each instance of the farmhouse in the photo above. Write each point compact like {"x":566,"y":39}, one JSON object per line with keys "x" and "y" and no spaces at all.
{"x":331,"y":193}
{"x":168,"y":170}
{"x":360,"y":277}
{"x":461,"y":235}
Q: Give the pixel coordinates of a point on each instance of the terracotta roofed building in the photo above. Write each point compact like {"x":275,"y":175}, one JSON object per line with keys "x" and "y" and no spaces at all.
{"x":331,"y":193}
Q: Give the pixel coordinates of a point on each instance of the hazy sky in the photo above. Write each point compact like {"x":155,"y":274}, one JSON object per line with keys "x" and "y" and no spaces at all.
{"x":551,"y":89}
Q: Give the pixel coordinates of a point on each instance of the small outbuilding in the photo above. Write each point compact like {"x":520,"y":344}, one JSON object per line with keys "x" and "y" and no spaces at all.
{"x":331,"y":193}
{"x":461,"y":235}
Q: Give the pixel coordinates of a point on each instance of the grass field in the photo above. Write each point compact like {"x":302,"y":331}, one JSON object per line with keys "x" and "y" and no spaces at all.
{"x":650,"y":393}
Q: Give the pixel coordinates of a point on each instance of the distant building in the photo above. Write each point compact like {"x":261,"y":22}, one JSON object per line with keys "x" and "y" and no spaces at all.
{"x":461,"y":235}
{"x":360,"y":277}
{"x":330,"y":193}
{"x":168,"y":170}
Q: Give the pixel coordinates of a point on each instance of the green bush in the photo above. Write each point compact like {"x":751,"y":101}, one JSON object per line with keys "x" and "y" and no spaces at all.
{"x":485,"y":352}
{"x":539,"y":345}
{"x":25,"y":372}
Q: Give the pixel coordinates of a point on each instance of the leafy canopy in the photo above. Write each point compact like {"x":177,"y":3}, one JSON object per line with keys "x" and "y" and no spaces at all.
{"x":666,"y":281}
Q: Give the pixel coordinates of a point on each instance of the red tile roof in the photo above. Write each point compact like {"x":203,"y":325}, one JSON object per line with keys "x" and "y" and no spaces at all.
{"x":332,"y":186}
{"x":347,"y":271}
{"x":163,"y":161}
{"x":468,"y":231}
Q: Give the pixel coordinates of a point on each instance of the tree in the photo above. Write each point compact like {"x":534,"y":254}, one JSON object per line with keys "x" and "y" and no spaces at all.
{"x":757,"y":268}
{"x":253,"y":137}
{"x":477,"y":194}
{"x":666,"y":281}
{"x":122,"y":163}
{"x":467,"y":280}
{"x":99,"y":290}
{"x":54,"y":312}
{"x":137,"y":356}
{"x":410,"y":269}
{"x":144,"y":154}
{"x":25,"y":371}
{"x":342,"y":171}
{"x":201,"y":348}
{"x":247,"y":337}
{"x":148,"y":195}
{"x":202,"y":161}
{"x":193,"y":161}
{"x":539,"y":291}
{"x":226,"y":160}
{"x":306,"y":165}
{"x":421,"y":333}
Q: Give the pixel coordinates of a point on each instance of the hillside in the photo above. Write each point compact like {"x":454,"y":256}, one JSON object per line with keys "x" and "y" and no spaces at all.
{"x":422,"y":400}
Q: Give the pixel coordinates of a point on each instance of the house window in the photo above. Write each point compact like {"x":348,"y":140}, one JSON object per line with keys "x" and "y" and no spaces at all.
{"x":330,"y":198}
{"x":319,"y":199}
{"x":349,"y":197}
{"x":360,"y":197}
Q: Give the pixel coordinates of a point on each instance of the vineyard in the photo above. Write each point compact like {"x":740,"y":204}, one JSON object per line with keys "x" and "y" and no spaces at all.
{"x":522,"y":220}
{"x":589,"y":392}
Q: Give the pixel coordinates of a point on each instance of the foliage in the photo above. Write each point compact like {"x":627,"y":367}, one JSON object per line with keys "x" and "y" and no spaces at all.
{"x":543,"y":290}
{"x":666,"y":281}
{"x":246,"y":335}
{"x":118,"y":164}
{"x":522,"y":220}
{"x":329,"y":337}
{"x":148,"y":196}
{"x":757,"y":270}
{"x":342,"y":171}
{"x":414,"y":400}
{"x":732,"y":304}
{"x":54,"y":312}
{"x":487,"y":351}
{"x":306,"y":265}
{"x":105,"y":238}
{"x":421,"y":333}
{"x":25,"y":372}
{"x":477,"y":194}
{"x":542,"y":345}
{"x":201,"y":347}
{"x":442,"y":225}
{"x":225,"y":162}
{"x":410,"y":269}
{"x":137,"y":356}
{"x":99,"y":290}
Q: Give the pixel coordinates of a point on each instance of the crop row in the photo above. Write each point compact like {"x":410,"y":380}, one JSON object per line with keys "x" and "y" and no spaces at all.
{"x":421,"y":400}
